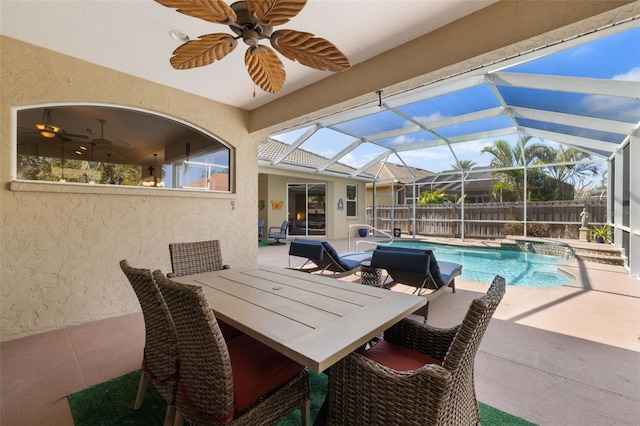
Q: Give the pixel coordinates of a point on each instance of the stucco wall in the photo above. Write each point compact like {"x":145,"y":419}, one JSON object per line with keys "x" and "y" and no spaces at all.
{"x":61,"y":243}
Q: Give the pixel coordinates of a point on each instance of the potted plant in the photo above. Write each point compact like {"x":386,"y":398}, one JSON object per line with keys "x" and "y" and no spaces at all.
{"x":363,"y":232}
{"x":601,"y":234}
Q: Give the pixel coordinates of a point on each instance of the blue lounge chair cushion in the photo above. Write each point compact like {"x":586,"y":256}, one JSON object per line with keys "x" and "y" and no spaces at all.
{"x":358,"y":256}
{"x":435,"y":266}
{"x":306,"y":248}
{"x":449,"y":269}
{"x":414,"y":261}
{"x":346,"y":264}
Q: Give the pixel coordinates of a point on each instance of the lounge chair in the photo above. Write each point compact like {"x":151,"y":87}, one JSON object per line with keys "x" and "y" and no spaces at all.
{"x":441,"y":273}
{"x":416,"y":268}
{"x":279,"y":233}
{"x":416,"y":375}
{"x":323,"y":258}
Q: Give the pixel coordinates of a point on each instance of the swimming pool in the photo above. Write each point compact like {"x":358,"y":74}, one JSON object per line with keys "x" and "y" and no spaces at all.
{"x":482,"y":265}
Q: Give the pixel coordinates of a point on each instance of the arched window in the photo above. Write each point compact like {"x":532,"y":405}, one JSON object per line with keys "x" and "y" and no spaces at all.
{"x":110,"y":145}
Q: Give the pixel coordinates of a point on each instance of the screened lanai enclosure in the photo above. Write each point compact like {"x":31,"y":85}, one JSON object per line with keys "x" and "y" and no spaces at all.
{"x":521,"y":146}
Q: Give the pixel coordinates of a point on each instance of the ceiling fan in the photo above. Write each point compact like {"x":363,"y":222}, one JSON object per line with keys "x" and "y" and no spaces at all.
{"x":253,"y":20}
{"x":101,"y":141}
{"x":48,"y":130}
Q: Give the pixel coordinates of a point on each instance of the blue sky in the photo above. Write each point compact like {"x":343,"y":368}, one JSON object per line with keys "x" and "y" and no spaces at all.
{"x":616,"y":56}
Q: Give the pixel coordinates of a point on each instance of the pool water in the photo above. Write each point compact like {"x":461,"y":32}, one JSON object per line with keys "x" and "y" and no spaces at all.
{"x":482,"y":265}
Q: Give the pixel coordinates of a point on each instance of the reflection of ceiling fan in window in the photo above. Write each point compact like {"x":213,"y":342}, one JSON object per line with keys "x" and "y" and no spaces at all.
{"x":105,"y":145}
{"x":48,"y":130}
{"x":253,"y":20}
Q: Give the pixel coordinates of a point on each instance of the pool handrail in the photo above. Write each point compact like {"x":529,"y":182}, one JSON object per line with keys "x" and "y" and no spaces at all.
{"x":372,"y":243}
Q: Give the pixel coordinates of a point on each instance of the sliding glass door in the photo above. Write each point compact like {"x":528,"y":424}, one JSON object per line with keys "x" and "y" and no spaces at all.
{"x":306,"y":208}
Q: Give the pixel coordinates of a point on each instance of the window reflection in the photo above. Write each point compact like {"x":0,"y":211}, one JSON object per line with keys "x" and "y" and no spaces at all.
{"x":117,"y":146}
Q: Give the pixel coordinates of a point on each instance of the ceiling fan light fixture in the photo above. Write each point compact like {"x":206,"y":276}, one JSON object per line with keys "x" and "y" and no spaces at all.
{"x":45,"y":128}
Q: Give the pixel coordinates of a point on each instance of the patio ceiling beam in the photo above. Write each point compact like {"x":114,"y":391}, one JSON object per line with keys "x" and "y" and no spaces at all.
{"x":619,"y":127}
{"x":339,"y":155}
{"x":465,"y":138}
{"x":401,"y":99}
{"x":379,"y":158}
{"x":296,"y":144}
{"x":433,"y":90}
{"x":449,"y":121}
{"x":507,"y":131}
{"x":304,"y":169}
{"x":575,"y":141}
{"x":590,"y":86}
{"x":352,"y":114}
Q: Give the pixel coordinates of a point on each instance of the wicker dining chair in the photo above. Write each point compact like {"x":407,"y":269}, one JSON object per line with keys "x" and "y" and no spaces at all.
{"x":198,"y":257}
{"x":195,"y":257}
{"x":417,"y":374}
{"x":160,"y":358}
{"x":236,"y":382}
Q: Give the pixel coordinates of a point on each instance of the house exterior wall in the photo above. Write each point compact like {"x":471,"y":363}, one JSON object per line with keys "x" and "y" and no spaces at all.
{"x":383,"y":193}
{"x":337,"y":221}
{"x":61,"y":243}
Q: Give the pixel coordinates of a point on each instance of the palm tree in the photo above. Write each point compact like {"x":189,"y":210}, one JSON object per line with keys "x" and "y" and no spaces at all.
{"x":505,"y":156}
{"x":463,"y":165}
{"x":574,"y":174}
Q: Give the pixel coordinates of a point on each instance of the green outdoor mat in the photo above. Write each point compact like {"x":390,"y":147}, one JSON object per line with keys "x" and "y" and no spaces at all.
{"x":111,"y":403}
{"x":264,"y":243}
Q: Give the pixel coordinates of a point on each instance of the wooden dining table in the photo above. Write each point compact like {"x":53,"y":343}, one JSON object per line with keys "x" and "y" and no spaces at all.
{"x":314,"y":320}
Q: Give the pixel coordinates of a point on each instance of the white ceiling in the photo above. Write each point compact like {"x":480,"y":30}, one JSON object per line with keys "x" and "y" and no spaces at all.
{"x":132,"y":36}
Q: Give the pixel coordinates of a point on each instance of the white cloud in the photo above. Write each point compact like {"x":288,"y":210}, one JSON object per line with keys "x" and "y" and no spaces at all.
{"x":425,"y":119}
{"x":631,"y":75}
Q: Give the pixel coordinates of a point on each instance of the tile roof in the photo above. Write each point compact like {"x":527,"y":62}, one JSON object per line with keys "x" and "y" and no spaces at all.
{"x":271,"y":150}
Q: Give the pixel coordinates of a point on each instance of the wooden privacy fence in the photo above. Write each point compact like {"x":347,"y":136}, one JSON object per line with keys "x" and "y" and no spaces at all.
{"x":560,"y":219}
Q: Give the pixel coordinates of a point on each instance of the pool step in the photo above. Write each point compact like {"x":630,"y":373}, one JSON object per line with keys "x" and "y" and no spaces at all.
{"x":606,"y":254}
{"x":585,"y":251}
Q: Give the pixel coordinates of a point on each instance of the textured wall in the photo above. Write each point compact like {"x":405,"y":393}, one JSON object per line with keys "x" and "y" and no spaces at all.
{"x":61,"y":243}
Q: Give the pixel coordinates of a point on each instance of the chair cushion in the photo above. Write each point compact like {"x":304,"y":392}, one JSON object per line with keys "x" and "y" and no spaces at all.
{"x":398,"y":357}
{"x":449,"y":270}
{"x":414,"y":261}
{"x":345,"y":264}
{"x":441,"y":272}
{"x":309,"y":249}
{"x":357,"y":256}
{"x":257,"y":370}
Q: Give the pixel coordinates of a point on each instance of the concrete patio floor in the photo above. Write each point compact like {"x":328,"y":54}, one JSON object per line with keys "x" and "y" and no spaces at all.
{"x":565,"y":355}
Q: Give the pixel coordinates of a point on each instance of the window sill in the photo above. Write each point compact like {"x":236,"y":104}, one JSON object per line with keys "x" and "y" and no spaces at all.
{"x":100,"y":189}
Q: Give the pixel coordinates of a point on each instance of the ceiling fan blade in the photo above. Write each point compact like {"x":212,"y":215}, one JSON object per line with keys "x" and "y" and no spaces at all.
{"x":275,"y":12}
{"x":214,"y":11}
{"x":101,"y":142}
{"x":203,"y":51}
{"x":265,"y":68}
{"x":314,"y":52}
{"x":71,"y":135}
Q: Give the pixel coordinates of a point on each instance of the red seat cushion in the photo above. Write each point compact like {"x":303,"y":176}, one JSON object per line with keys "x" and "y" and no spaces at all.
{"x":257,"y":369}
{"x":398,"y":357}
